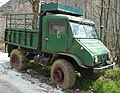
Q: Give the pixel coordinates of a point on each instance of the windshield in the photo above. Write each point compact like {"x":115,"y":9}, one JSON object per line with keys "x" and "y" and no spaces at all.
{"x":83,"y":31}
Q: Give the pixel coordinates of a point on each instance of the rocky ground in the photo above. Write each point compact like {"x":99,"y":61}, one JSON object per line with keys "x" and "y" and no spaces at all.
{"x":12,"y":81}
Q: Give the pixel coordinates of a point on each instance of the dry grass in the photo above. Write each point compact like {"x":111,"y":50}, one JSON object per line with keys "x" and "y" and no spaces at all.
{"x":1,"y":44}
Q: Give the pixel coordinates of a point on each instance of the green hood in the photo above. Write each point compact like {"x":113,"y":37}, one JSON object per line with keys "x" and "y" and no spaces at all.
{"x":95,"y":46}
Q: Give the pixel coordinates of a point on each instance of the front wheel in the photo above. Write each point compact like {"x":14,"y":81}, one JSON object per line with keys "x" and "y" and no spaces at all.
{"x":63,"y":73}
{"x":18,"y":60}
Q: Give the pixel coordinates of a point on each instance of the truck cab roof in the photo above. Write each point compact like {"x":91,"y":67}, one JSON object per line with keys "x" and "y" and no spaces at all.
{"x":61,"y":9}
{"x":74,"y":18}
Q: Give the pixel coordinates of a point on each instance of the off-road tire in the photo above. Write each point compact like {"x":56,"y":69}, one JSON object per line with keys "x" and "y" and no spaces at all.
{"x":67,"y":68}
{"x":18,"y":60}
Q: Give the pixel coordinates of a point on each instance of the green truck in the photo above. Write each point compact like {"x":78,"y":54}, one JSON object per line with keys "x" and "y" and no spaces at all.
{"x":58,"y":37}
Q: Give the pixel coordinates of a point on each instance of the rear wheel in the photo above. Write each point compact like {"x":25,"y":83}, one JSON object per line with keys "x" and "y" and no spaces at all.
{"x":63,"y":73}
{"x":18,"y":60}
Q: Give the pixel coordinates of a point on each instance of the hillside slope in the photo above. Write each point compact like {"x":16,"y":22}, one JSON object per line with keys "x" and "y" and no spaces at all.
{"x":14,"y":6}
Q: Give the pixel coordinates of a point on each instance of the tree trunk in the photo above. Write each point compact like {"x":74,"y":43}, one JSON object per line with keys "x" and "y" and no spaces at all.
{"x":117,"y":31}
{"x":106,"y":23}
{"x":35,"y":8}
{"x":85,"y":8}
{"x":101,"y":19}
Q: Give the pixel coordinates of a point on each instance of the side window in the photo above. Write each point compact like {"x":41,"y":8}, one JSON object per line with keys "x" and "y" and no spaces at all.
{"x":54,"y":27}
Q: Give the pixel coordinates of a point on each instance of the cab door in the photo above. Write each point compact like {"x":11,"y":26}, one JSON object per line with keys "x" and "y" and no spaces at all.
{"x":56,"y":36}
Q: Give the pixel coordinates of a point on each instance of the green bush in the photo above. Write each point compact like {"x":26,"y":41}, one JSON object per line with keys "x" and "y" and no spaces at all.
{"x":108,"y":83}
{"x":106,"y":86}
{"x":113,"y":74}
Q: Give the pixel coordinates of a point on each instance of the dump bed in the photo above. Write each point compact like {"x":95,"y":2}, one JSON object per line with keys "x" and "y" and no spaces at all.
{"x":22,"y":30}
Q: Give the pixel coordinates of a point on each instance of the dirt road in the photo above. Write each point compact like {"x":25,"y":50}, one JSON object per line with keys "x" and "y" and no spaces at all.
{"x":6,"y":87}
{"x":12,"y":81}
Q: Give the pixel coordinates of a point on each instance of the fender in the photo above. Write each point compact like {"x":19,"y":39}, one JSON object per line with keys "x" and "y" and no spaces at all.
{"x":72,"y":56}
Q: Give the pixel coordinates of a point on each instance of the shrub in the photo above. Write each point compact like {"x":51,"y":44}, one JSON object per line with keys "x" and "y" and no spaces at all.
{"x":108,"y":83}
{"x":106,"y":86}
{"x":113,"y":74}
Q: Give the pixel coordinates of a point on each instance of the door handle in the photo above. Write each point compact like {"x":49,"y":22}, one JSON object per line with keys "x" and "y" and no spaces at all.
{"x":46,"y":39}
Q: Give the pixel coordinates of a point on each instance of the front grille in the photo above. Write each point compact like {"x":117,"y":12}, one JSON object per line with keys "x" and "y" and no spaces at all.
{"x":102,"y":58}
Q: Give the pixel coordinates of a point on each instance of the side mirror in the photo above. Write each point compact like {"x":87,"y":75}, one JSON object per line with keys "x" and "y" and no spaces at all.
{"x":101,"y":32}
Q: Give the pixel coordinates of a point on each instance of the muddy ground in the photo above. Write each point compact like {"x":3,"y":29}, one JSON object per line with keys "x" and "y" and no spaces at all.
{"x":12,"y":81}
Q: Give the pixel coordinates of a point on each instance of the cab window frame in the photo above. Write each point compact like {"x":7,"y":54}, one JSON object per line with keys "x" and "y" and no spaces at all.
{"x":57,"y":21}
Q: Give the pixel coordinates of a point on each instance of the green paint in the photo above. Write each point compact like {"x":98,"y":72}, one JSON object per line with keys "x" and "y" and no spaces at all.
{"x":17,"y":37}
{"x":62,"y":8}
{"x":54,"y":43}
{"x":64,"y":38}
{"x":69,"y":44}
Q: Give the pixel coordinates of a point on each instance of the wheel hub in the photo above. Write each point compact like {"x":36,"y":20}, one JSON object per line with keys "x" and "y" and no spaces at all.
{"x":15,"y":60}
{"x":58,"y":75}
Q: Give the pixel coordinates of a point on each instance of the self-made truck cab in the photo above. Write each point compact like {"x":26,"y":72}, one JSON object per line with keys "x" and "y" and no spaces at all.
{"x":63,"y":39}
{"x":76,"y":37}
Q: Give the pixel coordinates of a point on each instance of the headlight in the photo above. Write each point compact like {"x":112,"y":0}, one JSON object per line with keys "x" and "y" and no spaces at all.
{"x":110,"y":59}
{"x":96,"y":59}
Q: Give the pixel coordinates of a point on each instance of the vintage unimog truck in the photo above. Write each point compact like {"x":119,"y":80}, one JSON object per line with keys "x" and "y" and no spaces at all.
{"x":57,"y":36}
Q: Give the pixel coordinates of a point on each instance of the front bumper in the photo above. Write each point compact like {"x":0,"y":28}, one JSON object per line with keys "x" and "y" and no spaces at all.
{"x":101,"y":69}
